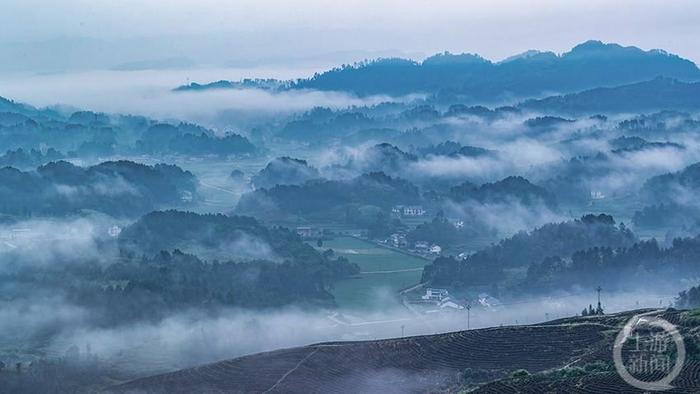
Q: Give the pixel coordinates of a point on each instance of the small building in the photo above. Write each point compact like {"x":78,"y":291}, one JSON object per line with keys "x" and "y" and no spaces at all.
{"x":305,"y":232}
{"x":433,"y":294}
{"x":597,"y":195}
{"x":449,"y":304}
{"x":408,"y":210}
{"x":421,"y":245}
{"x":488,"y":301}
{"x":397,"y":240}
{"x":415,"y":210}
{"x":435,"y":249}
{"x":458,"y":224}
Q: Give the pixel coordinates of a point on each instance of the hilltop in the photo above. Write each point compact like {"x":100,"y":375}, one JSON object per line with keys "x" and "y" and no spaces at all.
{"x":470,"y":77}
{"x":487,"y":360}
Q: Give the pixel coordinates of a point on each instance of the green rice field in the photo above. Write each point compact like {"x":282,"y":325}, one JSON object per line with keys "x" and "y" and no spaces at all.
{"x":384,"y":272}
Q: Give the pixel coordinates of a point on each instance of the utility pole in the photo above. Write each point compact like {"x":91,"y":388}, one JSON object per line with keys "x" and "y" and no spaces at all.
{"x":599,"y":310}
{"x":469,"y":308}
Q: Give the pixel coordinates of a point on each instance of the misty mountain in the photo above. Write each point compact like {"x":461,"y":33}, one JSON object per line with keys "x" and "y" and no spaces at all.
{"x":120,"y":188}
{"x":138,"y":289}
{"x":547,"y":122}
{"x":176,"y":281}
{"x":525,"y":248}
{"x":513,"y":188}
{"x":375,"y":192}
{"x":682,"y":218}
{"x":671,"y":202}
{"x":569,"y":176}
{"x":453,"y":149}
{"x":216,"y":235}
{"x":488,"y":211}
{"x":616,"y":268}
{"x":192,"y":140}
{"x":461,"y":110}
{"x":470,"y":77}
{"x":23,"y":159}
{"x":9,"y":107}
{"x":315,"y":126}
{"x":587,"y":65}
{"x":247,"y":83}
{"x":88,"y":133}
{"x":443,"y":232}
{"x":652,"y":95}
{"x":659,"y":124}
{"x":284,"y":171}
{"x":383,"y":157}
{"x":681,"y":186}
{"x":635,"y":144}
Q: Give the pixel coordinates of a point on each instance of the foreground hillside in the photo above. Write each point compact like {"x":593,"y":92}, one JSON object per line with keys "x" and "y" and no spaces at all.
{"x":492,"y":360}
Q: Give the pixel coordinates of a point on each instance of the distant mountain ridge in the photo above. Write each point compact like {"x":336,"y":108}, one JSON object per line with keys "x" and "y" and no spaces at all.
{"x":470,"y":77}
{"x":653,"y":95}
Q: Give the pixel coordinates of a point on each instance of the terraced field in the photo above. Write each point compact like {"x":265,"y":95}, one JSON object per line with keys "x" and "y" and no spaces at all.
{"x":435,"y":363}
{"x":604,"y":383}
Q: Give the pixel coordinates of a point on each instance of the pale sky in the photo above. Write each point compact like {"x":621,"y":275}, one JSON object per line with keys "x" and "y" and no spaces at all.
{"x":268,"y":31}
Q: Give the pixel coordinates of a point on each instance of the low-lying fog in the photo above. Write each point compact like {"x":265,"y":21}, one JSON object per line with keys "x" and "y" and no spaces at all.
{"x":192,"y":338}
{"x":49,"y":324}
{"x":150,"y":93}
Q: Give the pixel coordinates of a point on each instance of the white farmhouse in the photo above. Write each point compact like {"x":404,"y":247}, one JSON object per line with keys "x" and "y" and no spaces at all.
{"x":408,"y":210}
{"x":432,"y":294}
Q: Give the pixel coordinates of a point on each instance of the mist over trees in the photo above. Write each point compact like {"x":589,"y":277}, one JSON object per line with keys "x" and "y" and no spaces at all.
{"x":120,"y":188}
{"x":91,"y":134}
{"x":348,"y":208}
{"x":284,"y":171}
{"x":488,"y":266}
{"x":467,"y":75}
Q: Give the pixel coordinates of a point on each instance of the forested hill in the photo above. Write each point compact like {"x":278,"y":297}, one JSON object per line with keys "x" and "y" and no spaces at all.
{"x":119,"y":188}
{"x":588,"y":65}
{"x":229,"y":236}
{"x":653,"y":95}
{"x":95,"y":134}
{"x":525,"y":248}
